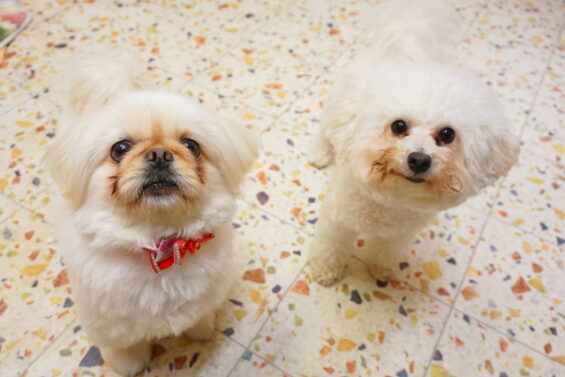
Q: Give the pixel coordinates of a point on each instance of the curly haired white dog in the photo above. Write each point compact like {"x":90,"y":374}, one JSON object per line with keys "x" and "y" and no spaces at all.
{"x":149,"y":181}
{"x":411,"y":135}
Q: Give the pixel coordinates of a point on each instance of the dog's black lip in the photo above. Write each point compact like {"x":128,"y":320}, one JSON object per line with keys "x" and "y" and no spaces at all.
{"x":159,"y":184}
{"x":159,"y":187}
{"x":415,"y":179}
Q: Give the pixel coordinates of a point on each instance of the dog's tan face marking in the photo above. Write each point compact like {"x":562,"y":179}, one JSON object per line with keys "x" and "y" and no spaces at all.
{"x":386,"y":161}
{"x":184,"y":175}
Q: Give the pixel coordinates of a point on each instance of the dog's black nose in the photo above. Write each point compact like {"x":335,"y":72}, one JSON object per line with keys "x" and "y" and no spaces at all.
{"x":159,"y":158}
{"x":419,"y":162}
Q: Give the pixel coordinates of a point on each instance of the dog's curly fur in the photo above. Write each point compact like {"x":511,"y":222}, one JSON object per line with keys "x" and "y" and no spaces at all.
{"x":106,"y":215}
{"x":405,"y":74}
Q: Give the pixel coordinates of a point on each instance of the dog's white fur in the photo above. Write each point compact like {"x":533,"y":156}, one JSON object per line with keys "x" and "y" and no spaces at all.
{"x":120,"y":301}
{"x":404,"y":74}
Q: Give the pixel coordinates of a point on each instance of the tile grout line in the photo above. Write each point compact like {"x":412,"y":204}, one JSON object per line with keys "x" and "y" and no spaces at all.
{"x":267,"y":319}
{"x":48,"y":346}
{"x":456,"y":296}
{"x":260,"y":357}
{"x":539,"y":86}
{"x":513,"y":338}
{"x":478,"y":320}
{"x":279,"y":218}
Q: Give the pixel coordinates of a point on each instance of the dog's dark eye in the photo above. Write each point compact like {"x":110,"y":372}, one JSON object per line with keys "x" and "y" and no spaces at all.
{"x":399,"y":127}
{"x":192,"y":146}
{"x":446,"y":135}
{"x":120,"y":149}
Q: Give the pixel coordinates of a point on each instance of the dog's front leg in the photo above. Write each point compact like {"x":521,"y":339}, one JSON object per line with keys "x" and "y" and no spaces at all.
{"x":328,"y":251}
{"x":130,"y":360}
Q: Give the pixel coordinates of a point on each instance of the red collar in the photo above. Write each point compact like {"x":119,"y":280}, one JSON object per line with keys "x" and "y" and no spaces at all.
{"x":171,"y":251}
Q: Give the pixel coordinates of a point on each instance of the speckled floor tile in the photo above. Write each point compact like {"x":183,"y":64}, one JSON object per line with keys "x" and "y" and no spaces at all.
{"x":469,"y":10}
{"x":266,"y":265}
{"x":355,"y":328}
{"x":252,"y":365}
{"x":547,"y":114}
{"x":42,"y":9}
{"x":282,"y":180}
{"x":73,"y":354}
{"x":7,"y":207}
{"x":533,"y":198}
{"x":468,"y":348}
{"x":516,"y":283}
{"x":438,"y":258}
{"x":34,"y":286}
{"x":315,"y":31}
{"x":260,"y":77}
{"x":229,"y":108}
{"x":40,"y":55}
{"x":24,"y":133}
{"x":11,"y":95}
{"x":510,"y":49}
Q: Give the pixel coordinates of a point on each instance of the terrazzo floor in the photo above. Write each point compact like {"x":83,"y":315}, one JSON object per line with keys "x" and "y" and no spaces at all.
{"x":480,"y":294}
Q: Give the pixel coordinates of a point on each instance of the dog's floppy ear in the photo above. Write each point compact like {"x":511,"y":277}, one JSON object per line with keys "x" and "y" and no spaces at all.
{"x":71,"y":162}
{"x":493,"y":156}
{"x":236,"y":155}
{"x":341,"y":113}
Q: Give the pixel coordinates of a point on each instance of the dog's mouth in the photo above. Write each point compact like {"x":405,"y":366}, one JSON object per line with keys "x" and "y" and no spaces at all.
{"x":159,"y":188}
{"x":414,"y":179}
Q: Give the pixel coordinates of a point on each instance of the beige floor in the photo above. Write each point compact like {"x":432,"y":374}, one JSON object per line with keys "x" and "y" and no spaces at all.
{"x":482,"y":292}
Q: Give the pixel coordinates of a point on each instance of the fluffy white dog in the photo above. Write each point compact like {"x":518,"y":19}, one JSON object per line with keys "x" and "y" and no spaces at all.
{"x":411,"y":135}
{"x":149,"y":181}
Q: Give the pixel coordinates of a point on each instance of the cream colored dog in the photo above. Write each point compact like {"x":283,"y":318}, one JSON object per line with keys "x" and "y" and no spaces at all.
{"x":411,"y":135}
{"x":149,"y":181}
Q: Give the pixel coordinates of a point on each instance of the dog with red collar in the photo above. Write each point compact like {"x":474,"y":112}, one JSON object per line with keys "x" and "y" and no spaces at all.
{"x":148,"y":184}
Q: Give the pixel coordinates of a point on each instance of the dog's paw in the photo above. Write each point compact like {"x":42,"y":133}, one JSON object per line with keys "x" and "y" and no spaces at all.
{"x":321,"y":154}
{"x":203,"y":330}
{"x":325,"y":273}
{"x":380,"y":272}
{"x":130,"y":361}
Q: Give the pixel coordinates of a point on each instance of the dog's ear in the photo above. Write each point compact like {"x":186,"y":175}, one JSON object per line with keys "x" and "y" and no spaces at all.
{"x":235,"y":152}
{"x":341,"y":113}
{"x":491,"y":154}
{"x":71,"y":162}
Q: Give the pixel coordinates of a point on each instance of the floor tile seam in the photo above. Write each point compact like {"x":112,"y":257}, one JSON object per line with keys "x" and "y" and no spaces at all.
{"x":260,"y":357}
{"x":37,"y":21}
{"x":529,"y":232}
{"x":46,"y":348}
{"x":265,"y":322}
{"x":274,"y":119}
{"x":19,"y":207}
{"x":286,"y":222}
{"x":287,"y":374}
{"x":539,"y":85}
{"x":23,"y":102}
{"x":458,"y":290}
{"x":33,"y":211}
{"x":240,"y":42}
{"x":471,"y":24}
{"x":277,"y":305}
{"x":513,"y":338}
{"x":305,"y":91}
{"x":271,"y":119}
{"x":316,"y":75}
{"x":538,"y":88}
{"x":258,"y":108}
